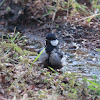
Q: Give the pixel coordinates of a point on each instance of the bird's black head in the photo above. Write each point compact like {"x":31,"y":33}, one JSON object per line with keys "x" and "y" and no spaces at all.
{"x":51,"y":39}
{"x":51,"y":36}
{"x":51,"y":42}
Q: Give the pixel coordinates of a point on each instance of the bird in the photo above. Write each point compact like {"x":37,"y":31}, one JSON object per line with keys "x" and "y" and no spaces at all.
{"x":51,"y":55}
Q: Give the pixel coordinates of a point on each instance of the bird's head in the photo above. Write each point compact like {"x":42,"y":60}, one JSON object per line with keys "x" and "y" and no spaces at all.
{"x":51,"y":39}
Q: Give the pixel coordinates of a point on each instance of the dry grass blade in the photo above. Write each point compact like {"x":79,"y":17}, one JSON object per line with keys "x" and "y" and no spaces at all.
{"x":89,"y":17}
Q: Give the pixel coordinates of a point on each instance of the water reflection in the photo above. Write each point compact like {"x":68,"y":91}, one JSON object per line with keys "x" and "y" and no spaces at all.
{"x":83,"y":62}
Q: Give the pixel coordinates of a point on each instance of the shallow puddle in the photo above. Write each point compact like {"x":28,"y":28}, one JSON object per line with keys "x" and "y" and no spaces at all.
{"x":83,"y":62}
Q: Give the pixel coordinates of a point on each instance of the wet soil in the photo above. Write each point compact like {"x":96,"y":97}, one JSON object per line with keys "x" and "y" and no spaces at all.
{"x":76,"y":58}
{"x":79,"y":42}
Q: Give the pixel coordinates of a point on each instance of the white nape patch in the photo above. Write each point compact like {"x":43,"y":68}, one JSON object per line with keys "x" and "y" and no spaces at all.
{"x":54,"y":42}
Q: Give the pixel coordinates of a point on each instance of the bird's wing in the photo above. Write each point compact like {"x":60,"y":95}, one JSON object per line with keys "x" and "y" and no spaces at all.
{"x":60,"y":53}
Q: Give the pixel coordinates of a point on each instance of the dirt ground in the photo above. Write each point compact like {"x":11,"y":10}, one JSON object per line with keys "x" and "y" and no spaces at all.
{"x":22,"y":17}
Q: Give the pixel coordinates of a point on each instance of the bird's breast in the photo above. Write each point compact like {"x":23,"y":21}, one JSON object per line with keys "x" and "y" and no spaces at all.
{"x":55,"y":58}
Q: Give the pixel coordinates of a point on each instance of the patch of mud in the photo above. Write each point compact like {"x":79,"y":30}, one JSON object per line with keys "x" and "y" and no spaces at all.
{"x":31,"y":23}
{"x":69,"y":33}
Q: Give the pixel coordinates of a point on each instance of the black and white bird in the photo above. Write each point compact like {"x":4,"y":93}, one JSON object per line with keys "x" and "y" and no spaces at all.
{"x":52,"y":55}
